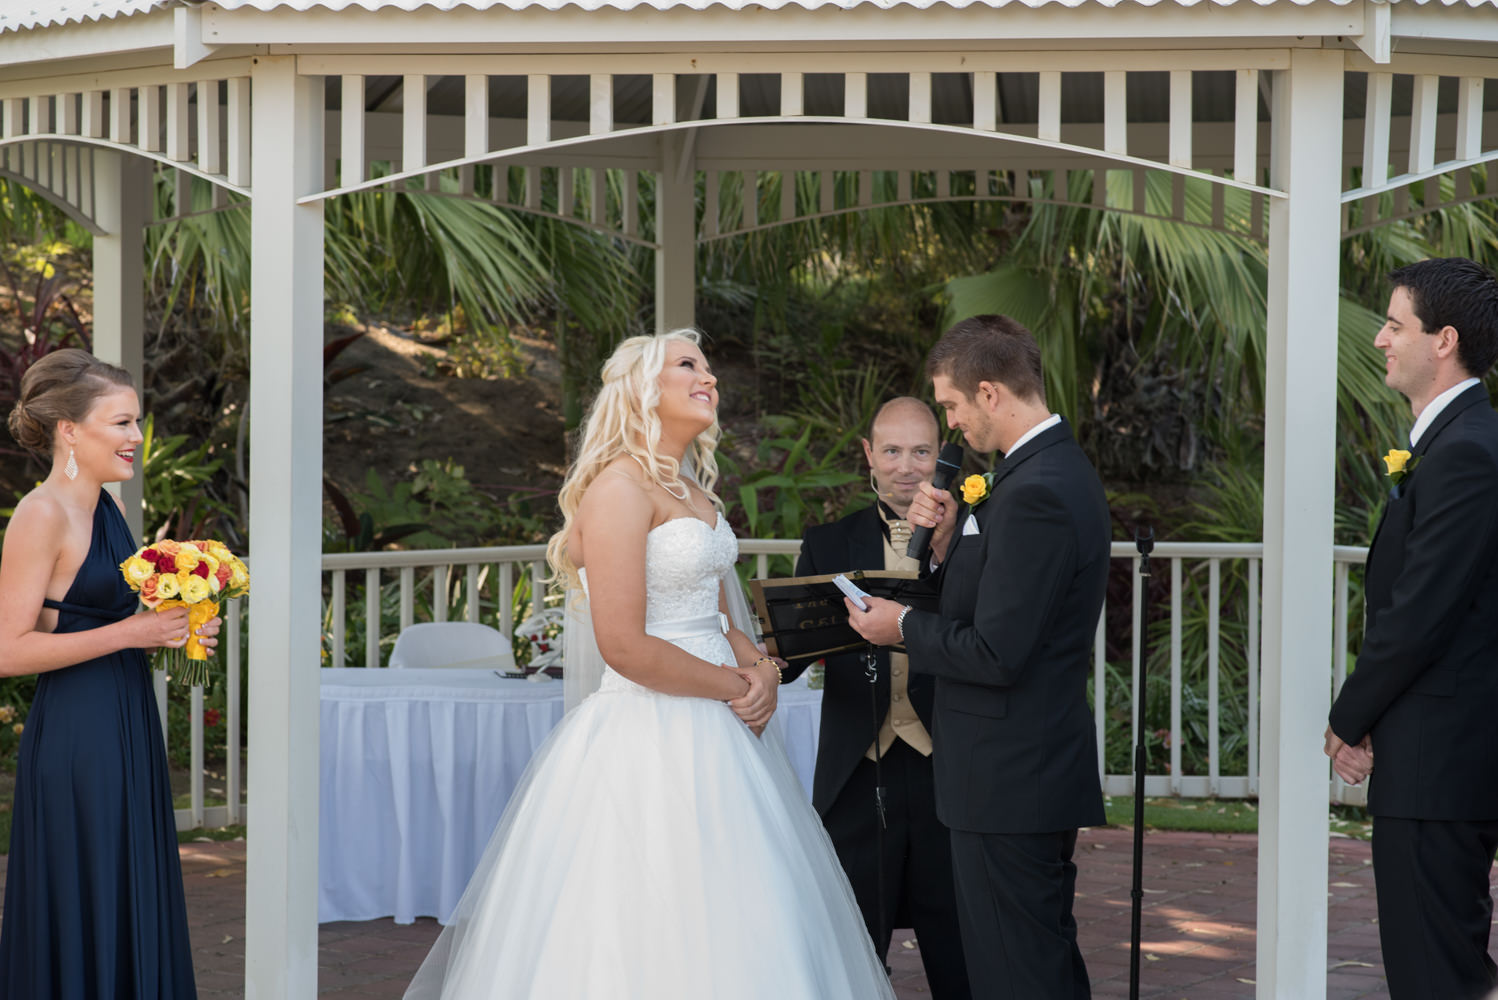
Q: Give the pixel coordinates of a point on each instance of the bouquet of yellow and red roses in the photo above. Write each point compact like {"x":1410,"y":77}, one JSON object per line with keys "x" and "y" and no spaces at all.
{"x":192,"y":575}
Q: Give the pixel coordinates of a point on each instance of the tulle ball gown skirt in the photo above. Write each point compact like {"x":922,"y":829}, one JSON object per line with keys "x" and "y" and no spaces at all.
{"x":656,"y":850}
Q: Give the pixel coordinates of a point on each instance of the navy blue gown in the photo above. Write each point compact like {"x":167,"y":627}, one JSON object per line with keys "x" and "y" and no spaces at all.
{"x":93,"y":893}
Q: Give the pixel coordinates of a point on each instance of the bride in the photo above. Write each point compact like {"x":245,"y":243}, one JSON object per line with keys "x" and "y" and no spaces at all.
{"x":660,"y":846}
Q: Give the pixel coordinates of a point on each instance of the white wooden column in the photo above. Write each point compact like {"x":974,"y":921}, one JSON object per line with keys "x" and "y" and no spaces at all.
{"x":286,"y":243}
{"x":122,"y":207}
{"x":1299,"y":454}
{"x":676,"y":231}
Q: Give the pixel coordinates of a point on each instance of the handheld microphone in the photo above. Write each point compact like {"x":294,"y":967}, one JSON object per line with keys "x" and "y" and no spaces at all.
{"x":947,"y":465}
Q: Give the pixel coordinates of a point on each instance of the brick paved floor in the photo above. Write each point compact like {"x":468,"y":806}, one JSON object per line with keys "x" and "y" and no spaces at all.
{"x":1198,"y":924}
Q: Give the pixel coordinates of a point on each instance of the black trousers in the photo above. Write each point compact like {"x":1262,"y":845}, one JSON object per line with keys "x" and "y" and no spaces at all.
{"x":1434,"y":908}
{"x":918,"y":884}
{"x":1014,"y":894}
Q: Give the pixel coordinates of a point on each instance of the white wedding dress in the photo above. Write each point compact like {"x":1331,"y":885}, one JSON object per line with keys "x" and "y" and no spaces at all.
{"x":656,"y":849}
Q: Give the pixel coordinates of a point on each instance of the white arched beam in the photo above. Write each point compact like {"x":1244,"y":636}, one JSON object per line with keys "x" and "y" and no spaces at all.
{"x":61,"y":173}
{"x":197,"y":122}
{"x":1395,"y":152}
{"x":1057,"y":126}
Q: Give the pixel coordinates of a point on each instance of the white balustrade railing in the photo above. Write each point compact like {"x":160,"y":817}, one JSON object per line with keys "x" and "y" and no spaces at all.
{"x":483,"y":584}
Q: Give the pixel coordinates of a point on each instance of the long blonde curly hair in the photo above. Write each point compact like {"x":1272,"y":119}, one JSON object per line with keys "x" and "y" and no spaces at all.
{"x":623,"y":421}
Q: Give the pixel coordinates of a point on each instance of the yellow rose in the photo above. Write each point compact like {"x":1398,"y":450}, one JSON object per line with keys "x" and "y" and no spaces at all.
{"x":1396,"y":460}
{"x":168,"y":586}
{"x":974,"y":488}
{"x":137,"y":570}
{"x":188,"y":558}
{"x":219,"y":551}
{"x":7,"y":713}
{"x":195,"y":589}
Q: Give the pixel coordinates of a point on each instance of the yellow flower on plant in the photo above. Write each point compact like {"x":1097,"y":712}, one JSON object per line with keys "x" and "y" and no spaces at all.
{"x":18,"y":729}
{"x":7,"y":713}
{"x":1396,"y":460}
{"x":168,"y":586}
{"x":137,"y":570}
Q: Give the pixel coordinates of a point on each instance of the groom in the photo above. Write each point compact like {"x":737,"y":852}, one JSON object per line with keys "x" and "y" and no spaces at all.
{"x":1424,"y":696}
{"x":1022,"y":574}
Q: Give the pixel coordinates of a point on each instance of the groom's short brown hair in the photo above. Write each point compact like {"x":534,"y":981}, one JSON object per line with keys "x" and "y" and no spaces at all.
{"x":989,"y":348}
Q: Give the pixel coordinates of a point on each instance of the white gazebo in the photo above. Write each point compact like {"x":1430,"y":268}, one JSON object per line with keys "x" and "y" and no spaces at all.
{"x":1313,"y":109}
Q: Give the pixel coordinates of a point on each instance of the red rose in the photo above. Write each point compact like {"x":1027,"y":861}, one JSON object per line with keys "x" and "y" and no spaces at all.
{"x":201,"y":569}
{"x":166,"y":563}
{"x":149,"y":555}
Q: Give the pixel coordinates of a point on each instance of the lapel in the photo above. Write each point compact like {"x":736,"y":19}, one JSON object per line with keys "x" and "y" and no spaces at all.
{"x":1045,"y":439}
{"x":866,"y":540}
{"x":1476,"y":394}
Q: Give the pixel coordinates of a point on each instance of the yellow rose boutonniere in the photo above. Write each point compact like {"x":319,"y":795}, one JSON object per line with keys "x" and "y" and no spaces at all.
{"x":1398,"y":464}
{"x":975,"y":488}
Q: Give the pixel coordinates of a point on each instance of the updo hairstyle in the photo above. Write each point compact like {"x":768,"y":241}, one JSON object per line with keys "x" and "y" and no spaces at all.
{"x":62,"y":385}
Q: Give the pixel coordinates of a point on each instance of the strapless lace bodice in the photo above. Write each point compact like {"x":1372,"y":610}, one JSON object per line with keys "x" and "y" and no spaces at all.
{"x":685,"y":560}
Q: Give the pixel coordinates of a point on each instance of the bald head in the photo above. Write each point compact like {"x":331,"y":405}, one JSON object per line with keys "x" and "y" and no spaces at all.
{"x":901,"y":449}
{"x":902,"y":410}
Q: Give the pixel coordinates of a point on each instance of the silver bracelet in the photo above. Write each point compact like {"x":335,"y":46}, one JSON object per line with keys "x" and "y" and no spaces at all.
{"x":900,"y":621}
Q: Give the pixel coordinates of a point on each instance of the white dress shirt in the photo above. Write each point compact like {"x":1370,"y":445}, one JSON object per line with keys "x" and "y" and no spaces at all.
{"x":1035,"y":431}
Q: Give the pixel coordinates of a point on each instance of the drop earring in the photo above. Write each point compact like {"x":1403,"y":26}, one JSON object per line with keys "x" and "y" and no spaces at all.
{"x":71,"y":469}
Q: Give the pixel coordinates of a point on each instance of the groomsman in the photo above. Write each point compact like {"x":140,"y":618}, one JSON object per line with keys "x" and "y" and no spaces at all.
{"x":1022,"y":575}
{"x":1424,"y":696}
{"x":917,"y":862}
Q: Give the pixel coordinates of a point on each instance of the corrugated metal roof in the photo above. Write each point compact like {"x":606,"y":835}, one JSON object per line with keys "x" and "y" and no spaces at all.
{"x":775,"y":4}
{"x":18,"y":14}
{"x":737,"y":4}
{"x":21,"y":14}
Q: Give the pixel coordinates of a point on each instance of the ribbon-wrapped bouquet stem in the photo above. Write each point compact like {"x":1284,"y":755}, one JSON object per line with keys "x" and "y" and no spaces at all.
{"x":194,"y":575}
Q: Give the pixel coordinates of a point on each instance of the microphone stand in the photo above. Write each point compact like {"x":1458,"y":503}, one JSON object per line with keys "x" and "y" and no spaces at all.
{"x":871,"y":671}
{"x":1144,"y":541}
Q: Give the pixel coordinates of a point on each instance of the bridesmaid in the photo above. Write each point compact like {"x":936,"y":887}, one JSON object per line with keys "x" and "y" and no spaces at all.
{"x":93,"y":891}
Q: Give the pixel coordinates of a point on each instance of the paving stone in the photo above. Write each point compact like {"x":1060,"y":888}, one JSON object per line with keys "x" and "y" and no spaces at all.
{"x":1198,"y":921}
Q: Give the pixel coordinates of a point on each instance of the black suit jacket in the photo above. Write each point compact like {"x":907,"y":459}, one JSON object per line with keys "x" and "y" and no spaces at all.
{"x":848,"y":727}
{"x":1426,"y":681}
{"x":1015,"y":750}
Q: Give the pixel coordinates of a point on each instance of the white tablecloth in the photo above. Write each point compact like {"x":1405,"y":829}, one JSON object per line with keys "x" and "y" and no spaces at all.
{"x":417,"y":766}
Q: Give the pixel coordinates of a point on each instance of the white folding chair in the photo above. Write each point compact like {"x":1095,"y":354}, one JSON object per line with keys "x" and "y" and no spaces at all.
{"x":452,"y":644}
